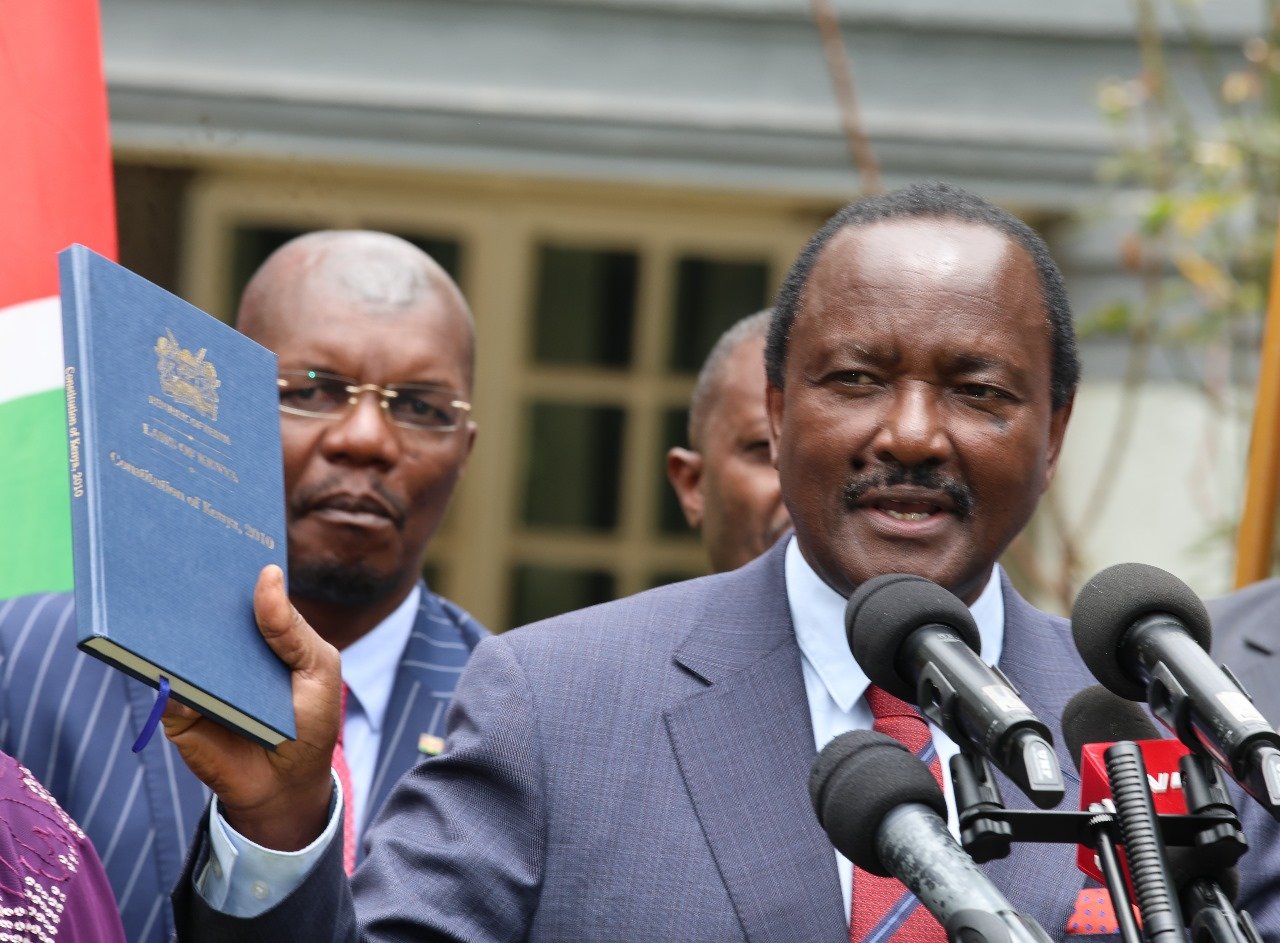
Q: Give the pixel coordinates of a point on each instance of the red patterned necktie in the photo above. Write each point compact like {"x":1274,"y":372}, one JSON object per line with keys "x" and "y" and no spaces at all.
{"x":884,"y":911}
{"x":1094,"y":915}
{"x":348,"y":792}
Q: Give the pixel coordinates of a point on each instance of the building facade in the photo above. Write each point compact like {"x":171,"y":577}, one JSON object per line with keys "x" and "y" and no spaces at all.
{"x":613,"y":182}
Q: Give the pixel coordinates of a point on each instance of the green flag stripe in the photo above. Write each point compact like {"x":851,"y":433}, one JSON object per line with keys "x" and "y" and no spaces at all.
{"x":35,"y":531}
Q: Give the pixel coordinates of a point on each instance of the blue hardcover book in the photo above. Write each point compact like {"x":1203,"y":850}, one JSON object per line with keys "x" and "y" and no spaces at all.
{"x":177,"y":493}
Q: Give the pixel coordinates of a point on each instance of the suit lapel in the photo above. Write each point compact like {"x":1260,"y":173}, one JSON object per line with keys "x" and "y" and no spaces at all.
{"x":433,"y":659}
{"x":1039,"y":657}
{"x":744,"y":746}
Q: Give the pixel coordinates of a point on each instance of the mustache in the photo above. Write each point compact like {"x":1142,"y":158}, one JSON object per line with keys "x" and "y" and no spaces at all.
{"x":303,"y":499}
{"x":919,"y":476}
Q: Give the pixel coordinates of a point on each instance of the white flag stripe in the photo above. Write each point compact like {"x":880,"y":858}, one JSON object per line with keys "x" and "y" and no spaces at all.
{"x":30,"y":348}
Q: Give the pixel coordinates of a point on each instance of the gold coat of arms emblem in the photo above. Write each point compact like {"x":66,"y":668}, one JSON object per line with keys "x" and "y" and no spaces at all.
{"x":187,"y":378}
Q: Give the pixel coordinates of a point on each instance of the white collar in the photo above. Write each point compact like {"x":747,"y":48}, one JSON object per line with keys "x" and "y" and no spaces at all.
{"x":817,"y":612}
{"x":369,"y":663}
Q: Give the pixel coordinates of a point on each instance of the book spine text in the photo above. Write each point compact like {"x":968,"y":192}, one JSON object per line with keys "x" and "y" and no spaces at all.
{"x":81,"y":468}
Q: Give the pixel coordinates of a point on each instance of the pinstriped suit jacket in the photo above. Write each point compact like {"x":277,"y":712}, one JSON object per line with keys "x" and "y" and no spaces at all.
{"x":637,"y":771}
{"x":71,"y":720}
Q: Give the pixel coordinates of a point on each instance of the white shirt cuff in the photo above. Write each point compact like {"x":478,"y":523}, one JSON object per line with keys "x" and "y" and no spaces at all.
{"x":243,"y":879}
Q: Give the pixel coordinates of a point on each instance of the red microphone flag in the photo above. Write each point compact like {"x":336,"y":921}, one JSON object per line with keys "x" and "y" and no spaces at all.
{"x":1161,"y":758}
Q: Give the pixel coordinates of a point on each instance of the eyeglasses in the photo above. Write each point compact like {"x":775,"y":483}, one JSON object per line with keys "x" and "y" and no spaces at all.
{"x":412,"y":405}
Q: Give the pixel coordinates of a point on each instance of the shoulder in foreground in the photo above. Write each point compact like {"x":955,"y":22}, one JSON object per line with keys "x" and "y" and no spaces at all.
{"x":43,"y":815}
{"x":656,"y":622}
{"x":57,"y":881}
{"x":662,"y":615}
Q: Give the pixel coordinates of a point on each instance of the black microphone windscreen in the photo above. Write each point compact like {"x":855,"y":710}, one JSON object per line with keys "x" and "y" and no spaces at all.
{"x":1113,"y":601}
{"x":858,"y":779}
{"x":1095,"y":715}
{"x":884,"y":611}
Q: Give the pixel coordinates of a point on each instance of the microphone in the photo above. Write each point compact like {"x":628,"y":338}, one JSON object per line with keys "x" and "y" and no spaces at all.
{"x":919,"y":642}
{"x":1118,"y":772}
{"x":1203,"y":875}
{"x":883,"y":810}
{"x":1145,"y":635}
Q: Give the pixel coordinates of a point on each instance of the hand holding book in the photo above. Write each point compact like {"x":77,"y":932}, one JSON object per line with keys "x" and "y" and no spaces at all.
{"x":276,"y":798}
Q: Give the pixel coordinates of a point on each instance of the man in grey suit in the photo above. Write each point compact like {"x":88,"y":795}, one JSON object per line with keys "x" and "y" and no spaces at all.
{"x":725,"y":480}
{"x":636,"y":771}
{"x":355,"y":318}
{"x":1246,"y":638}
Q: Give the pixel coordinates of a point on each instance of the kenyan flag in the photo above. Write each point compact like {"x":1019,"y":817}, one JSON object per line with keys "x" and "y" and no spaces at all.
{"x":55,"y":189}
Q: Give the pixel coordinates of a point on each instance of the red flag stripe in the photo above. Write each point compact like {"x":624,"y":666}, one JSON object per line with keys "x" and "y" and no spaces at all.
{"x":55,"y":153}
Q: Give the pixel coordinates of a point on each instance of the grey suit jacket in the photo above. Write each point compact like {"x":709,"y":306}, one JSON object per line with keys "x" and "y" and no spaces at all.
{"x":71,"y":720}
{"x":1246,"y":637}
{"x":637,"y":771}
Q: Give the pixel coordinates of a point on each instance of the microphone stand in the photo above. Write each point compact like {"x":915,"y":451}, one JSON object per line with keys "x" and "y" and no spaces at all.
{"x":1210,"y":826}
{"x":1214,"y":917}
{"x":987,"y":832}
{"x":1103,"y":828}
{"x":1216,"y":920}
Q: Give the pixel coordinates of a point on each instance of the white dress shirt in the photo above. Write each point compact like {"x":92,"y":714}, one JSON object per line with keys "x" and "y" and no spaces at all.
{"x":264,"y":876}
{"x":833,"y":683}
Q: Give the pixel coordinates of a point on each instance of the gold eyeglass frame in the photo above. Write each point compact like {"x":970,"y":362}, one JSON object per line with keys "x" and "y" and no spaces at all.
{"x":385,"y":396}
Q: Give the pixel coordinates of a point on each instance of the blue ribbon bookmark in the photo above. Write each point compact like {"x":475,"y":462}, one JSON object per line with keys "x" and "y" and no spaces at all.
{"x":149,"y":728}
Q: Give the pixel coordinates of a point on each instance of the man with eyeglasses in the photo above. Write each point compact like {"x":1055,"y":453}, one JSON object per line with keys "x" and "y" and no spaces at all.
{"x":376,"y":354}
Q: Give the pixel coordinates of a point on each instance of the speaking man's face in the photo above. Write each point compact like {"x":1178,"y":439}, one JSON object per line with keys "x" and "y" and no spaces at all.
{"x":915,"y":432}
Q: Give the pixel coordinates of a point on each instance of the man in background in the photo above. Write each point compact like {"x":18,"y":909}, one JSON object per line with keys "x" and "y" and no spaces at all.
{"x":725,"y":481}
{"x":376,"y":352}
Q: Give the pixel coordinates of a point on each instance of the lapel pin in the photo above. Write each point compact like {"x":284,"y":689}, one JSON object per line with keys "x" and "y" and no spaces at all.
{"x":430,"y":744}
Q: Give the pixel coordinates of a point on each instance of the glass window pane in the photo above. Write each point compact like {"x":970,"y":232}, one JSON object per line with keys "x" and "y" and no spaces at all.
{"x":539,"y":592}
{"x":585,"y":307}
{"x":149,"y":216}
{"x":675,"y":432}
{"x":711,"y":295}
{"x":574,"y":466}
